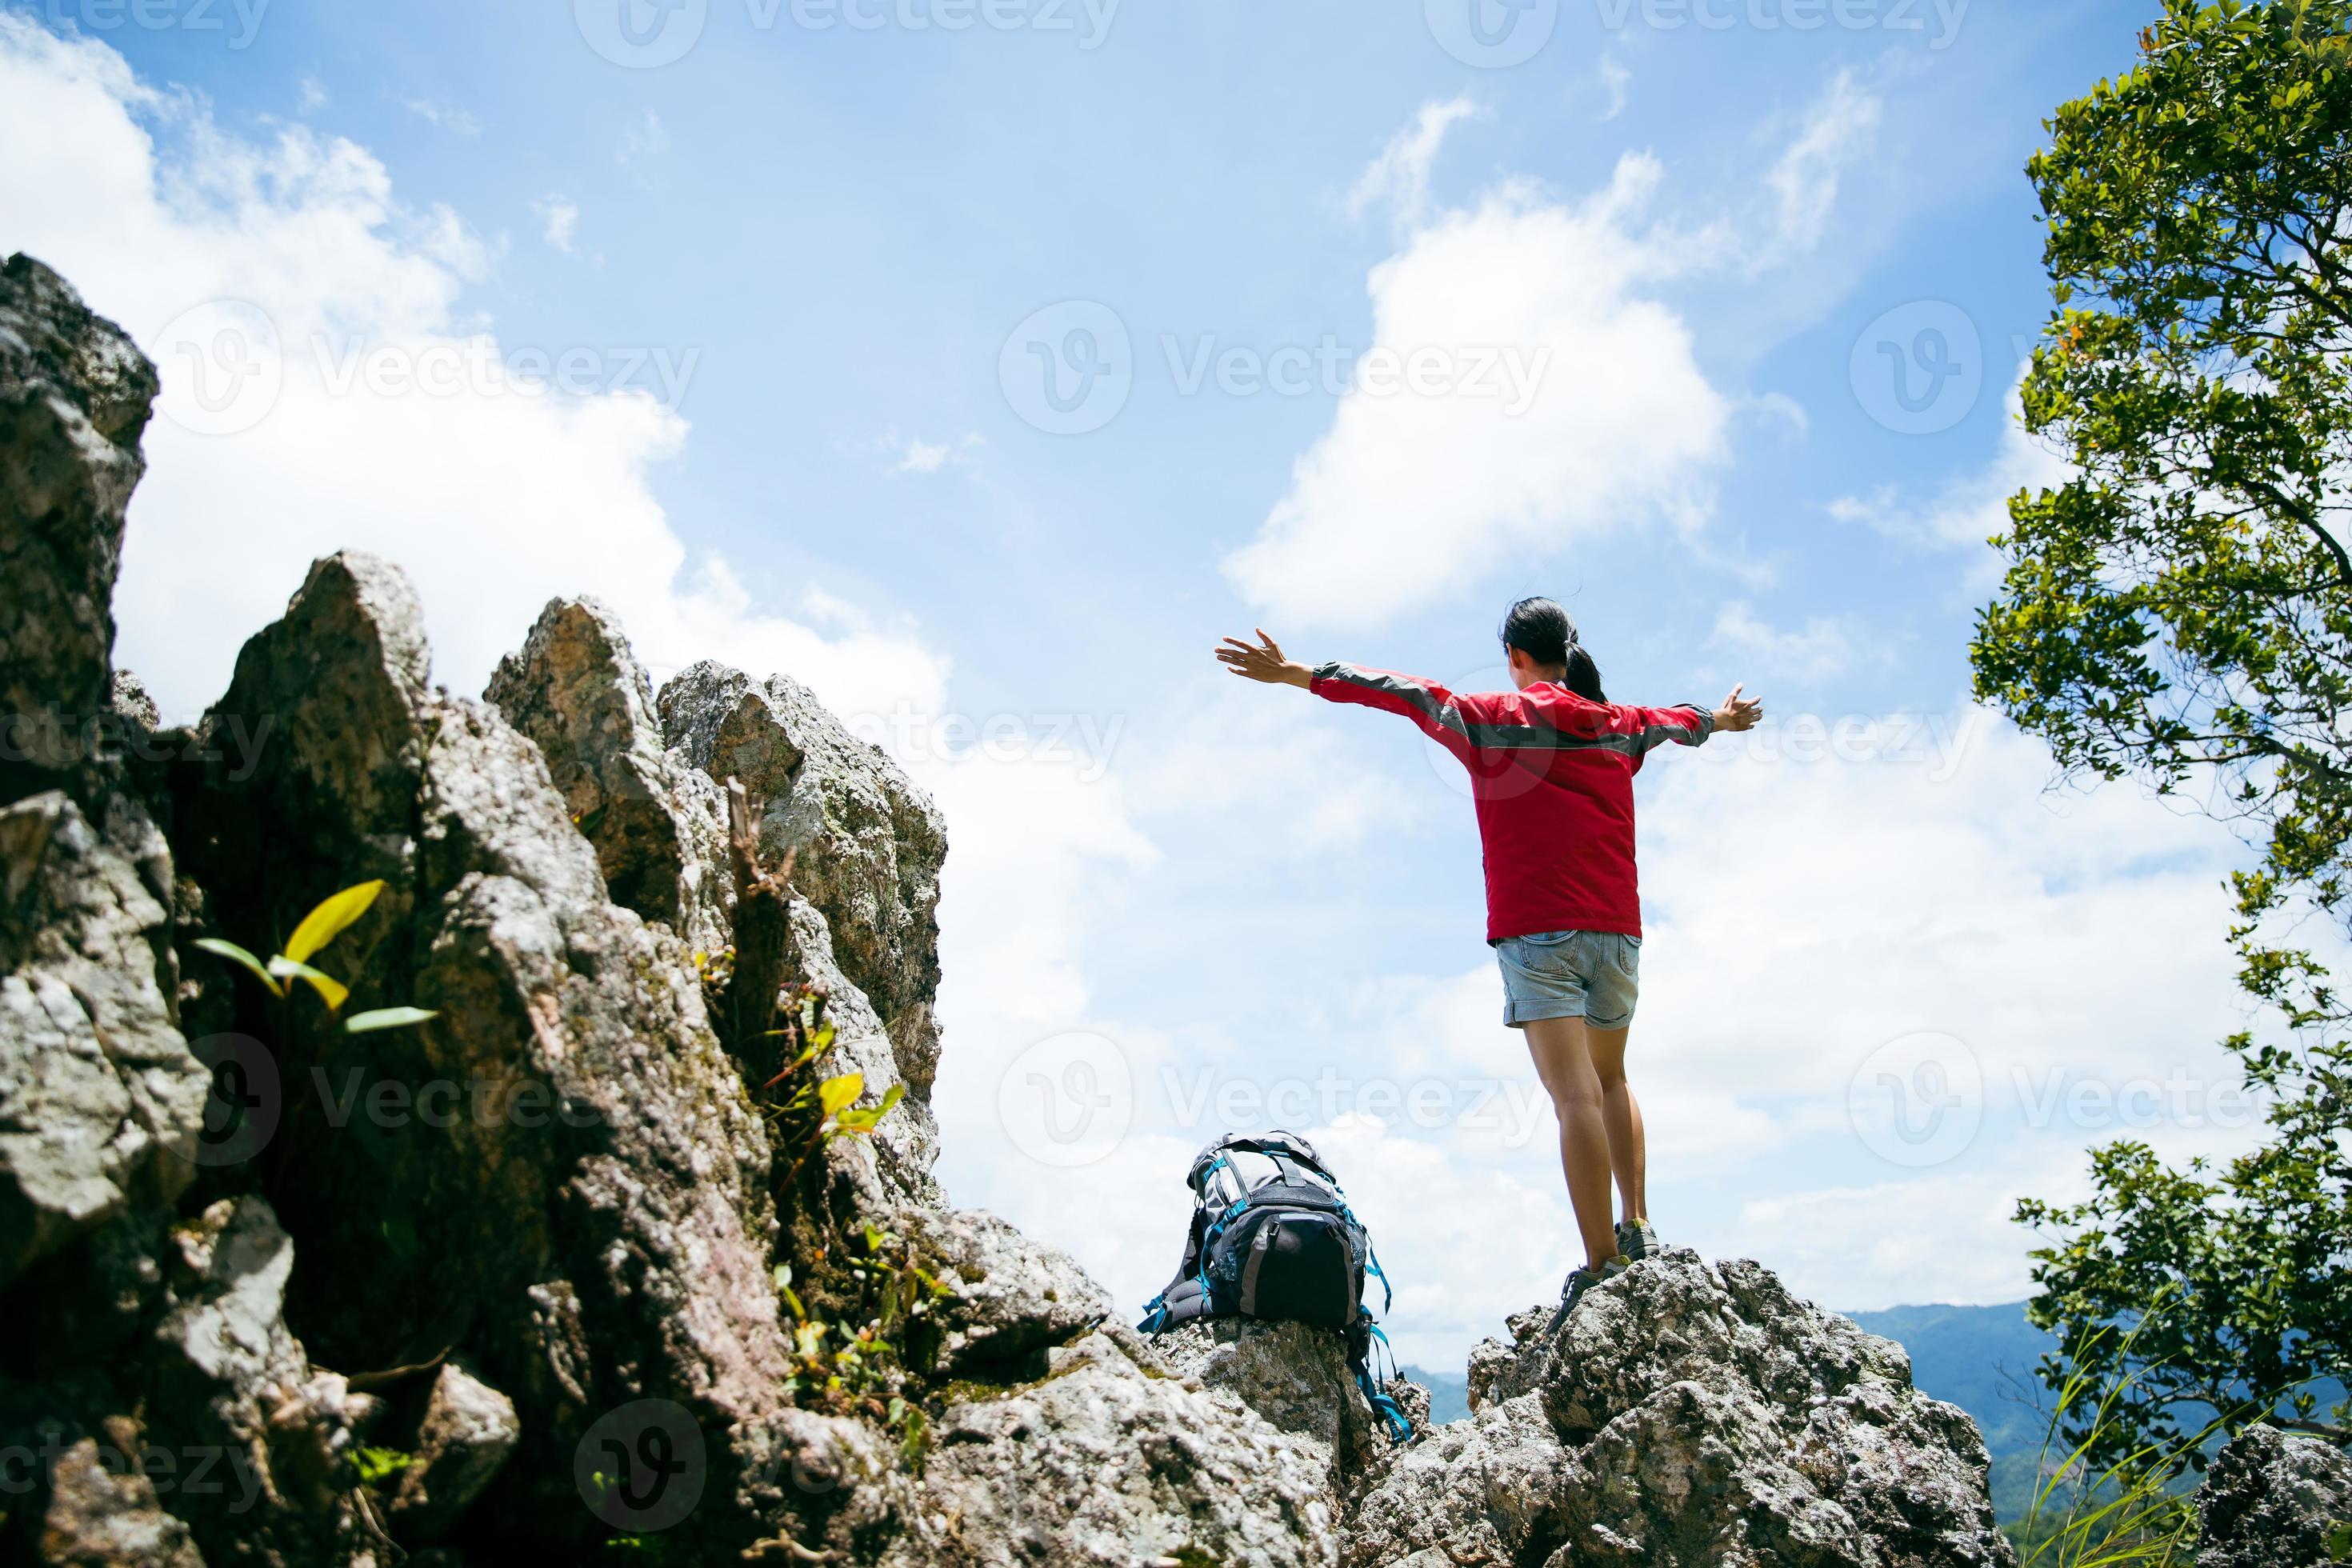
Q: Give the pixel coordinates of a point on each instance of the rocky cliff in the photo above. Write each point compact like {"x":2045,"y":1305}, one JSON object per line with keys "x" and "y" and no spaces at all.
{"x":590,"y":1261}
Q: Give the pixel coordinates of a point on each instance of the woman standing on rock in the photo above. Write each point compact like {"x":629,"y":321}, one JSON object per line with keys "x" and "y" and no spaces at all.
{"x":1552,"y":768}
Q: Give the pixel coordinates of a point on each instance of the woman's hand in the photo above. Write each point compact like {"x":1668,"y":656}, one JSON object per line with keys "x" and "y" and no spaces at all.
{"x":1263,"y":660}
{"x":1739,"y":712}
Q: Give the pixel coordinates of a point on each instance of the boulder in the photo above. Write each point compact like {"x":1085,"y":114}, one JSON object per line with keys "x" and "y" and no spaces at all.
{"x":1694,"y":1416}
{"x":105,"y":1514}
{"x":468,"y":1430}
{"x":2273,"y":1500}
{"x":231,"y":1389}
{"x":1108,"y":1458}
{"x":1293,"y":1376}
{"x":1489,"y":1490}
{"x":659,"y":824}
{"x":870,"y":842}
{"x":73,"y":399}
{"x":1013,"y":1299}
{"x":100,"y":1099}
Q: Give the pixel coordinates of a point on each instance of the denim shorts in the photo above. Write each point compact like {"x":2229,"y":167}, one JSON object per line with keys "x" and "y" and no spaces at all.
{"x":1595,"y":976}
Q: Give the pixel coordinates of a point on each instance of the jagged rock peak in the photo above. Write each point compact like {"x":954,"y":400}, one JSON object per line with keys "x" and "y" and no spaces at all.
{"x":658,"y":823}
{"x":1689,"y":1414}
{"x":74,"y":397}
{"x":871,"y":842}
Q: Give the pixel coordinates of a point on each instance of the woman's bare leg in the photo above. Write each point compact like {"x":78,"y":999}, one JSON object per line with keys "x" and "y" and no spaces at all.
{"x":1622,"y":1114}
{"x":1564,"y":1061}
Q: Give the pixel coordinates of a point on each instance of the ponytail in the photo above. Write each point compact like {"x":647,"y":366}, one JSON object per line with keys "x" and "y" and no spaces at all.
{"x":1583,"y":675}
{"x":1541,"y":629}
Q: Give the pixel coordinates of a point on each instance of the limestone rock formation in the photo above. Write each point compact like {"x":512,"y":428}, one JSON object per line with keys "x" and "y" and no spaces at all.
{"x":1108,"y":1458}
{"x":1014,"y":1299}
{"x":1294,"y":1377}
{"x":659,"y":824}
{"x":73,"y":398}
{"x":100,"y":1100}
{"x":871,"y":844}
{"x":604,"y":1185}
{"x":1691,"y":1415}
{"x":2273,"y":1500}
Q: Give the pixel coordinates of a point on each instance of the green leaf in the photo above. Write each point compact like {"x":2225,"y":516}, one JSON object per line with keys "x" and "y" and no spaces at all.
{"x":331,"y":991}
{"x":864,"y":1118}
{"x":327,"y":921}
{"x":835,"y":1093}
{"x":236,"y":954}
{"x":376,"y":1466}
{"x":385,"y":1018}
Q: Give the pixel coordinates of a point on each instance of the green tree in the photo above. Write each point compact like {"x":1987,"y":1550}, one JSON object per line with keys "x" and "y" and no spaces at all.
{"x":2179,"y":611}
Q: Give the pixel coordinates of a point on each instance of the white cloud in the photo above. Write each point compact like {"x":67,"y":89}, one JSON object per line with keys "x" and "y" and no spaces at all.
{"x":909,"y":454}
{"x":314,"y":94}
{"x":493,"y":501}
{"x":1779,"y":407}
{"x":457,"y":122}
{"x":559,"y":217}
{"x":1805,"y":181}
{"x":640,"y":144}
{"x":1972,"y":508}
{"x":1416,"y":491}
{"x":1822,"y":647}
{"x":1399,"y":178}
{"x":1618,"y":80}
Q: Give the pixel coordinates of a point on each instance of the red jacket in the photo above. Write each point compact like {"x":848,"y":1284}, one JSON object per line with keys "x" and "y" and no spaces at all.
{"x":1552,"y":773}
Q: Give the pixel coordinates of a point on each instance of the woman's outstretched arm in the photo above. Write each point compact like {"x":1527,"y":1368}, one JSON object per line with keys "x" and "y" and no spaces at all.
{"x":1439,"y":714}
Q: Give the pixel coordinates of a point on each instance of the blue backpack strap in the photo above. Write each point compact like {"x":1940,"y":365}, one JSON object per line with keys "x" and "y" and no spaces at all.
{"x":1392,"y":1414}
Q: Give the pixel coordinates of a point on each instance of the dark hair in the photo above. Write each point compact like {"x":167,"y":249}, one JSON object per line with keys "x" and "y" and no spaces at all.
{"x":1541,"y":630}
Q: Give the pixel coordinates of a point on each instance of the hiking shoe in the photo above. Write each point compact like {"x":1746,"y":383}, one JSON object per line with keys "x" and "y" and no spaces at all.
{"x":1580,"y":1280}
{"x":1636,"y":1240}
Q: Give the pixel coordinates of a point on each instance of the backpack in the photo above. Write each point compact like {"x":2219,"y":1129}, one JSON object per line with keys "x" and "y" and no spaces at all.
{"x":1272,"y":1238}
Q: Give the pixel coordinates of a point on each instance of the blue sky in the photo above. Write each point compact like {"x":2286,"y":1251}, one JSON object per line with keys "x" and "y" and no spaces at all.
{"x":798,"y":271}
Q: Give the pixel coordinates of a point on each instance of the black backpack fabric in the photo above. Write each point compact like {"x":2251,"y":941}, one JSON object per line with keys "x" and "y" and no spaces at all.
{"x":1272,"y":1236}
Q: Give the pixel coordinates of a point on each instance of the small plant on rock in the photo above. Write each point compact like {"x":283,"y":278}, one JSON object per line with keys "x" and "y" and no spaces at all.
{"x":810,"y":1112}
{"x":856,"y":1363}
{"x":320,"y":926}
